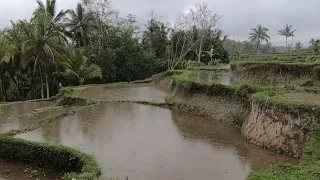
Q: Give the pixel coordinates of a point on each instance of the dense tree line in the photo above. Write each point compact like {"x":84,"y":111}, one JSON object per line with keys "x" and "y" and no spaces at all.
{"x":93,"y":44}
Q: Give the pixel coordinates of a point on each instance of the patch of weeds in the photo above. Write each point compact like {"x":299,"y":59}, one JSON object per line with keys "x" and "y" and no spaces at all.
{"x":303,"y":81}
{"x":290,"y":99}
{"x":148,"y":80}
{"x":51,"y":118}
{"x":76,"y":164}
{"x":75,"y":101}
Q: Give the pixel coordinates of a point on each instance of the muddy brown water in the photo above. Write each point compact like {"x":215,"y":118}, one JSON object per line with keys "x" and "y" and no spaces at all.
{"x":220,"y":76}
{"x":129,"y":92}
{"x":145,"y":142}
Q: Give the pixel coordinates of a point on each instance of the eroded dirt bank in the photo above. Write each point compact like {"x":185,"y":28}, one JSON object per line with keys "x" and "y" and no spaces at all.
{"x":208,"y":102}
{"x":279,"y":129}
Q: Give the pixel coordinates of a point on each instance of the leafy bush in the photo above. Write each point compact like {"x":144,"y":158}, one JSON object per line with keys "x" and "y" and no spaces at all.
{"x":76,"y":164}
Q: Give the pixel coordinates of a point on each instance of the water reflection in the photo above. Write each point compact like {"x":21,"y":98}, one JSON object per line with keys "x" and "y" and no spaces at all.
{"x":140,"y":92}
{"x":151,"y":143}
{"x":218,"y":76}
{"x":20,"y":115}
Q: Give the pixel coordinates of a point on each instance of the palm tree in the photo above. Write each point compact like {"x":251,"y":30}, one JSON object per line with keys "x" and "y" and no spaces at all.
{"x":15,"y":37}
{"x":298,"y":45}
{"x":50,"y":8}
{"x":79,"y":69}
{"x":155,"y":37}
{"x":81,"y":24}
{"x":287,"y":31}
{"x":43,"y":45}
{"x":312,"y":43}
{"x":259,"y":35}
{"x":6,"y":48}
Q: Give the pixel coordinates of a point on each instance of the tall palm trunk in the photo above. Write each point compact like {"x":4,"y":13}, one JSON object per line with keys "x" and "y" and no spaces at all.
{"x":42,"y":95}
{"x":286,"y":43}
{"x":291,"y":46}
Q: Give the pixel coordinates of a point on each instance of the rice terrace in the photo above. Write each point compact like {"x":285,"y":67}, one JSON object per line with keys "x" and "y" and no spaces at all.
{"x":90,"y":93}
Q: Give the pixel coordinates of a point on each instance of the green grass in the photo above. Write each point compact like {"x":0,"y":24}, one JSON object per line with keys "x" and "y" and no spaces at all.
{"x":49,"y":119}
{"x":303,"y":81}
{"x":76,"y":164}
{"x":244,"y":89}
{"x":148,"y":80}
{"x":279,"y":63}
{"x":289,"y":99}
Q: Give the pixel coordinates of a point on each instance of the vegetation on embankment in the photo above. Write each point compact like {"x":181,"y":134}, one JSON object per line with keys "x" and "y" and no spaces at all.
{"x":308,"y":169}
{"x":287,"y":100}
{"x":281,"y":121}
{"x":242,"y":91}
{"x":73,"y":163}
{"x":70,"y":97}
{"x":276,"y":72}
{"x":290,"y":99}
{"x":192,"y":96}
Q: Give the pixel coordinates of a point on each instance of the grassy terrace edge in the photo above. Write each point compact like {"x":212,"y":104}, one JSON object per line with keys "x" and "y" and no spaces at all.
{"x":74,"y":163}
{"x":309,"y":166}
{"x":278,"y":63}
{"x":243,"y":91}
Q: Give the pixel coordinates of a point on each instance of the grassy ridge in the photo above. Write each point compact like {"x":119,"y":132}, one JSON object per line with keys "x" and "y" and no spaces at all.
{"x":75,"y":164}
{"x":244,"y":90}
{"x":290,"y":99}
{"x":278,"y":63}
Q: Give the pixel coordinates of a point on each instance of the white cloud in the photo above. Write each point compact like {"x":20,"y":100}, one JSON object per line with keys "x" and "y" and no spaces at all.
{"x":239,"y":16}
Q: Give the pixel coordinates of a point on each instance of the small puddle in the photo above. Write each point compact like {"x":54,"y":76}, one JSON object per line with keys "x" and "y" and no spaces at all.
{"x":140,"y":92}
{"x":17,"y":171}
{"x":218,"y":76}
{"x":151,"y":143}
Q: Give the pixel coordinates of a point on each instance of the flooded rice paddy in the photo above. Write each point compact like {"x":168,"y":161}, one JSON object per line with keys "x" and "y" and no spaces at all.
{"x":21,"y":115}
{"x":144,"y":142}
{"x":221,"y":77}
{"x":123,"y":92}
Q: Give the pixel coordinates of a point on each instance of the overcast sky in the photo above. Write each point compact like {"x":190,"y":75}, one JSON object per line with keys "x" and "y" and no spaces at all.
{"x":239,"y":16}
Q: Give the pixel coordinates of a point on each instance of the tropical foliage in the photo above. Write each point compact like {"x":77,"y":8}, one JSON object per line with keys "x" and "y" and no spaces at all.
{"x":79,"y":69}
{"x":259,"y":35}
{"x":92,"y":43}
{"x":287,"y":31}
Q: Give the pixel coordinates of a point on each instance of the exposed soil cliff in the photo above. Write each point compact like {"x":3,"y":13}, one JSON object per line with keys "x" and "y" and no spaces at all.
{"x":286,"y":131}
{"x":207,"y":101}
